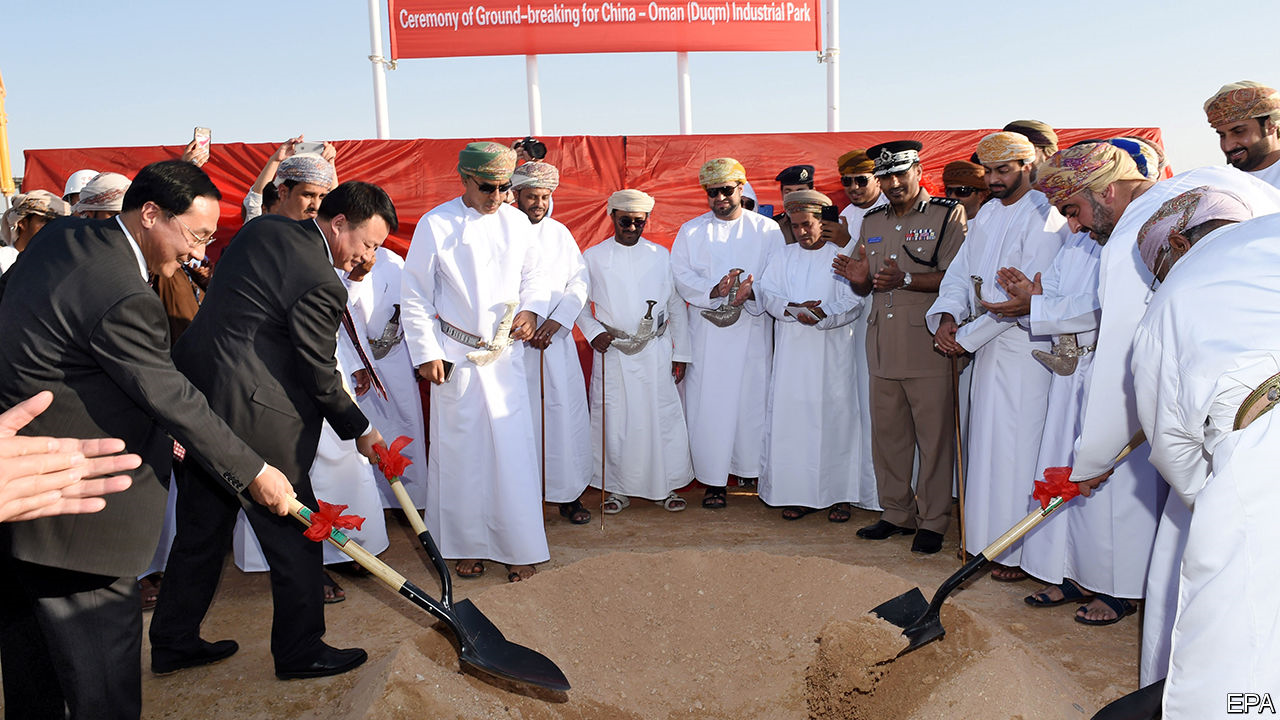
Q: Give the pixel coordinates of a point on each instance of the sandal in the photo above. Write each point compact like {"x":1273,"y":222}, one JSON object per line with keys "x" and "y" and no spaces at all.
{"x":333,"y":592}
{"x":616,"y":504}
{"x":1070,"y":593}
{"x":575,"y":512}
{"x":516,"y":573}
{"x":469,"y":568}
{"x":795,"y":512}
{"x":673,"y":502}
{"x":1121,"y":607}
{"x":715,"y":498}
{"x":149,"y":589}
{"x":1008,"y":574}
{"x":839,"y":513}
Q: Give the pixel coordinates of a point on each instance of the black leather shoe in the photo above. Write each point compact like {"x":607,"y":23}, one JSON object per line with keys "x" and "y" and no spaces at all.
{"x":881,"y":529}
{"x":165,"y":661}
{"x":331,"y":661}
{"x":927,"y":542}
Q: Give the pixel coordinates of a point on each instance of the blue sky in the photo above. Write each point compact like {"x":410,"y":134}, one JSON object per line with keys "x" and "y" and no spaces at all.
{"x":145,"y":72}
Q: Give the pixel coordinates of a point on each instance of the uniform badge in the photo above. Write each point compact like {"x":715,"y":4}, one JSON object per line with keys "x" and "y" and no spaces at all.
{"x":922,"y":235}
{"x":875,"y":239}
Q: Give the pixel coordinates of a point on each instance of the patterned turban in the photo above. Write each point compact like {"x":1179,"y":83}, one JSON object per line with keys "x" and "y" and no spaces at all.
{"x":964,"y":173}
{"x":856,"y":162}
{"x":1005,"y":147}
{"x":536,"y":175}
{"x":721,"y":171}
{"x":1240,"y":101}
{"x":1040,"y":134}
{"x":105,"y":192}
{"x":806,"y":200}
{"x":307,"y":168}
{"x":36,"y":202}
{"x":1145,"y":155}
{"x":1092,"y":166}
{"x":631,"y":201}
{"x":488,"y":161}
{"x":1193,"y":207}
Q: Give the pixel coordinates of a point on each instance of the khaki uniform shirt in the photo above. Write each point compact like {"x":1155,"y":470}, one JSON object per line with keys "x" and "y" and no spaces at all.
{"x":925,"y":240}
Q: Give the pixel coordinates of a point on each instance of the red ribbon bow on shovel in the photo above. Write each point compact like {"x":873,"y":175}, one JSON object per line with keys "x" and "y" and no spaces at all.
{"x":390,"y":459}
{"x":1056,"y":483}
{"x":329,"y":517}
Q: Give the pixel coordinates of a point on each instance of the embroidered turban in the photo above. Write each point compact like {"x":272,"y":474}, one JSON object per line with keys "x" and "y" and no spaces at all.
{"x":488,"y":161}
{"x":1003,"y":147}
{"x":964,"y":173}
{"x":1040,"y":134}
{"x":631,"y":201}
{"x":721,"y":171}
{"x":105,"y":193}
{"x":806,"y":200}
{"x":1240,"y":101}
{"x":307,"y":168}
{"x":536,"y":175}
{"x":1092,"y":166}
{"x":1145,"y":155}
{"x":36,"y":202}
{"x":1193,"y":207}
{"x":856,"y":162}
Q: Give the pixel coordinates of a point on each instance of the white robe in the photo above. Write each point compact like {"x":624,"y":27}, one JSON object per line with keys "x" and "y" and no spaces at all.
{"x":562,"y":392}
{"x":373,"y":303}
{"x":648,"y":443}
{"x":1202,"y":347}
{"x":1269,"y":175}
{"x":1009,"y":392}
{"x":1109,"y":417}
{"x":854,"y":216}
{"x":1102,"y":542}
{"x":728,"y":379}
{"x":812,"y":410}
{"x":484,"y":496}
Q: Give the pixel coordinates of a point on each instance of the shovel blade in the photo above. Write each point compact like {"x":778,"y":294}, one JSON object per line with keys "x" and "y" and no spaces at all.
{"x":923,"y":631}
{"x":904,"y":610}
{"x":484,"y":647}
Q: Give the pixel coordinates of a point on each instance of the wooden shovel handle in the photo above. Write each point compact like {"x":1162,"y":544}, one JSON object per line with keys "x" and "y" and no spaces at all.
{"x":406,"y":504}
{"x":352,"y":549}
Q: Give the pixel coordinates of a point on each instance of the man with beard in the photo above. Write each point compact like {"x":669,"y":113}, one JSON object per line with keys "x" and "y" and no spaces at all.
{"x":1245,"y":115}
{"x":551,"y":364}
{"x":966,"y":183}
{"x":1098,"y":188}
{"x":471,"y":266}
{"x":715,"y":259}
{"x":903,"y":250}
{"x":1009,"y":391}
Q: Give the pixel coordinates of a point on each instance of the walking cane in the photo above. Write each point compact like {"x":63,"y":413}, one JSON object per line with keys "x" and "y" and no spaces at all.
{"x":603,"y":449}
{"x":955,"y":405}
{"x":542,"y":423}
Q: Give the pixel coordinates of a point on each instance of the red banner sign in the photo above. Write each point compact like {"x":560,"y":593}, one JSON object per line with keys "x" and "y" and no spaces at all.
{"x":455,"y":28}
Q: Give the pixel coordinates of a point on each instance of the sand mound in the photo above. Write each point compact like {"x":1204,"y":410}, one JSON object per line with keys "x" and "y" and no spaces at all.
{"x":689,"y":634}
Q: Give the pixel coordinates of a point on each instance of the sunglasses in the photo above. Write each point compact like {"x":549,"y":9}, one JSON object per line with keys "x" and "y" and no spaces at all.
{"x":490,"y":188}
{"x":962,"y":191}
{"x":859,"y":180}
{"x":627,"y":223}
{"x":726,"y":191}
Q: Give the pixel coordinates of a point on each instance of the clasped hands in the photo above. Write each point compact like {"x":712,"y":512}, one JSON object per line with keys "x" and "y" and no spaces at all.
{"x":1019,"y":289}
{"x":745,"y":292}
{"x":856,"y":268}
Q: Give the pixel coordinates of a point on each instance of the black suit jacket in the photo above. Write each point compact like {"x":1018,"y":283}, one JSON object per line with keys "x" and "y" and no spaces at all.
{"x":77,"y":318}
{"x":262,"y":346}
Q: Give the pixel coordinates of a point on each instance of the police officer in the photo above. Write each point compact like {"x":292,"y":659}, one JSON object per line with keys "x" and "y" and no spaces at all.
{"x":796,"y":177}
{"x":902,"y":251}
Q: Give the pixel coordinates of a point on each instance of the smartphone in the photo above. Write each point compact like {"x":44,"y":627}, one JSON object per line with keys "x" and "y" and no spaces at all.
{"x":202,"y":135}
{"x":314,"y":148}
{"x":830,"y":212}
{"x":448,"y":371}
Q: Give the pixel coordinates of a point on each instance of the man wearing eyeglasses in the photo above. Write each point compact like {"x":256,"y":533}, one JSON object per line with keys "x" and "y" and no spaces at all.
{"x":966,"y":183}
{"x":903,"y":250}
{"x":861,"y":187}
{"x":715,"y":259}
{"x":79,"y":318}
{"x":471,"y":287}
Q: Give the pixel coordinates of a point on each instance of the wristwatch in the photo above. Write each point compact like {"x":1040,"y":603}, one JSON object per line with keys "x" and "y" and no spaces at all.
{"x":906,"y":280}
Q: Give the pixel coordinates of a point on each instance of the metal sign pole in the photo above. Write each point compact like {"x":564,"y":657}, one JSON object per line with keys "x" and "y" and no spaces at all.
{"x":535,"y":95}
{"x":684,"y":93}
{"x":379,"y":71}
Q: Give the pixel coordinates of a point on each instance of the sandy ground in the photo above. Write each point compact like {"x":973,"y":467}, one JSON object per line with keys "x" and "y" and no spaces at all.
{"x":700,"y":614}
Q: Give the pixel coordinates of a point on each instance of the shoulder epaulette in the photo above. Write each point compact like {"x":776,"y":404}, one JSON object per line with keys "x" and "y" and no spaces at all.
{"x":944,"y":201}
{"x":878,"y":208}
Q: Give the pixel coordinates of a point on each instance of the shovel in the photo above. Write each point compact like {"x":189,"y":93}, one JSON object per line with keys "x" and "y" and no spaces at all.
{"x":920,"y":620}
{"x":481,"y":644}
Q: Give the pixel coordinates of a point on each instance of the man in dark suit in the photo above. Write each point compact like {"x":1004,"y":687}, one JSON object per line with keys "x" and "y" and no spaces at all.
{"x":78,"y":318}
{"x":262,"y":349}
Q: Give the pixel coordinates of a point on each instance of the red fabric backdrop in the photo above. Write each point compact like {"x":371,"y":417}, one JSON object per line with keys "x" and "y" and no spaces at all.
{"x":420,"y":174}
